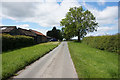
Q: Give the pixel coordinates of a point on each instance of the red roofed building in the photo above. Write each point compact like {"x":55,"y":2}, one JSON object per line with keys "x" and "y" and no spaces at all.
{"x":40,"y":37}
{"x":13,"y":30}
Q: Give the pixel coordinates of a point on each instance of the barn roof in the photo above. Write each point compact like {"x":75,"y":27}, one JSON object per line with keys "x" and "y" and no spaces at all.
{"x":26,"y":32}
{"x":38,"y":33}
{"x":21,"y":31}
{"x":7,"y":28}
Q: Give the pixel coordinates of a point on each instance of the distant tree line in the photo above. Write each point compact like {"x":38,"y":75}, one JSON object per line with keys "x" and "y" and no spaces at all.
{"x":55,"y":33}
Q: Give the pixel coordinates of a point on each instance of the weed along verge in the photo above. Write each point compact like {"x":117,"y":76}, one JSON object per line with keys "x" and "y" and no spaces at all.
{"x":93,"y":63}
{"x":16,"y":60}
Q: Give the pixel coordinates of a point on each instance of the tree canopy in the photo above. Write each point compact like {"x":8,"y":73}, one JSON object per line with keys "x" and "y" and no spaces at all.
{"x":78,"y":22}
{"x":55,"y":33}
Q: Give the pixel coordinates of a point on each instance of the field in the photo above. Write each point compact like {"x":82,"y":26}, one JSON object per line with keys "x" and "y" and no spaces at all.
{"x":93,"y":63}
{"x":16,"y":60}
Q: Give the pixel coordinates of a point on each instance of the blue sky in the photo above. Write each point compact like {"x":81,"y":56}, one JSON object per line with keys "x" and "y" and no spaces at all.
{"x":43,"y":16}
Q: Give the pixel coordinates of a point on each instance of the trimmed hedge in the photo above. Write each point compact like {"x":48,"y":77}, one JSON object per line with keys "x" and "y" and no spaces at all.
{"x":10,"y":42}
{"x":107,"y":42}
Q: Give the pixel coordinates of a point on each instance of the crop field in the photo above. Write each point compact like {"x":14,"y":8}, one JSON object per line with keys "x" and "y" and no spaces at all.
{"x":93,"y":63}
{"x":16,"y":60}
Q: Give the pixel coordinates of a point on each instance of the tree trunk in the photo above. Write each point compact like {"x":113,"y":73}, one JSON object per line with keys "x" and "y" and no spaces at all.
{"x":79,"y":36}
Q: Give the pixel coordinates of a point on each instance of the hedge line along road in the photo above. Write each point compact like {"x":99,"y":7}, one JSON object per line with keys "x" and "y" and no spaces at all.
{"x":55,"y":64}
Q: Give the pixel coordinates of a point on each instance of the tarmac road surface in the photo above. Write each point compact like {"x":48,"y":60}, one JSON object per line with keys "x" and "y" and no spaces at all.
{"x":55,"y":64}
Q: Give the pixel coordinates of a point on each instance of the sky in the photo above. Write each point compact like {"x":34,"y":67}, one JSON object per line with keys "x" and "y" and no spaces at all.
{"x":43,"y":15}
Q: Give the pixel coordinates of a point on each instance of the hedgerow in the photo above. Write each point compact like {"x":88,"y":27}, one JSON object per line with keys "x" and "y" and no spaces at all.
{"x":107,"y":42}
{"x":10,"y":42}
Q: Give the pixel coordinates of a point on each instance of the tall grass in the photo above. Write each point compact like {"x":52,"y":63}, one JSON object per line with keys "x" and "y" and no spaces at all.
{"x":93,"y":63}
{"x":16,"y":60}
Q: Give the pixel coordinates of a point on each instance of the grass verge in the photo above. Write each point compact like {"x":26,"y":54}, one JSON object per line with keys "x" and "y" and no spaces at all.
{"x":93,"y":63}
{"x":16,"y":60}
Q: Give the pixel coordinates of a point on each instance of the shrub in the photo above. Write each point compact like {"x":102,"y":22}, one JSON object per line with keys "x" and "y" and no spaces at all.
{"x":10,"y":42}
{"x":107,"y":42}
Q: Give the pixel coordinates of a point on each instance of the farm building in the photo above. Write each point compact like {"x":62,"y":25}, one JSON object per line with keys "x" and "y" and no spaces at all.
{"x":39,"y":36}
{"x":26,"y":32}
{"x":13,"y":30}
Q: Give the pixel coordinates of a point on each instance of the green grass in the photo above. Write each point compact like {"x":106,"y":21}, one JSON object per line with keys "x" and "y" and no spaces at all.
{"x":93,"y":63}
{"x":16,"y":60}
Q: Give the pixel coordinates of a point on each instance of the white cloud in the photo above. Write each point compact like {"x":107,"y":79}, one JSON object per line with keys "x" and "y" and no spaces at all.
{"x":49,"y":13}
{"x":108,"y":15}
{"x":103,"y":30}
{"x":101,"y":2}
{"x":24,"y":26}
{"x":57,"y":0}
{"x":46,"y":14}
{"x":22,"y":0}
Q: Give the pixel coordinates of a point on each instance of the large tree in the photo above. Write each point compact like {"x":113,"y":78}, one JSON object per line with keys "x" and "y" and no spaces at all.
{"x":78,"y":22}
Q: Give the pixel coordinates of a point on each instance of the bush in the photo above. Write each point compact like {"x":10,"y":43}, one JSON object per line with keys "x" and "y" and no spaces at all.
{"x":107,"y":42}
{"x":10,"y":42}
